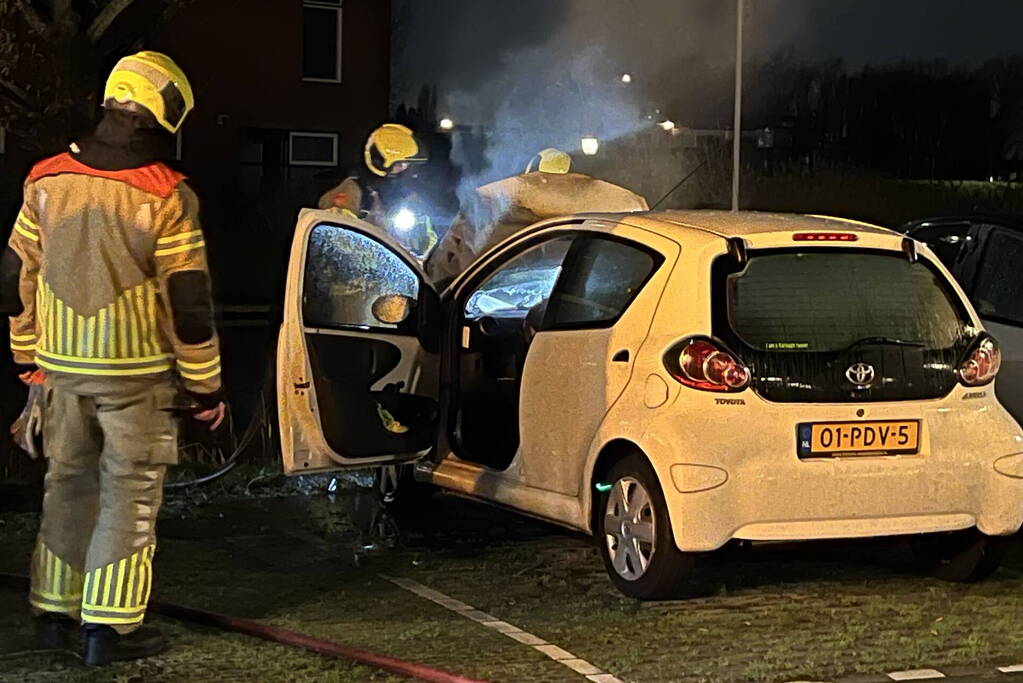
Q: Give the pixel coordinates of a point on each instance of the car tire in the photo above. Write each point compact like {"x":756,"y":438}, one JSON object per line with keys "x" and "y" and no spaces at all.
{"x":960,"y":556}
{"x":642,"y":569}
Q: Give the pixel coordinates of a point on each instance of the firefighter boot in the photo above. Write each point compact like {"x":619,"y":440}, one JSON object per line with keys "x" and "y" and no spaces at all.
{"x":54,"y":631}
{"x":102,"y":645}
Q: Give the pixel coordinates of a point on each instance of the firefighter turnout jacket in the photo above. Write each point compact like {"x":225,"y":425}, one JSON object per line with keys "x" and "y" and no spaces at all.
{"x":113,"y":279}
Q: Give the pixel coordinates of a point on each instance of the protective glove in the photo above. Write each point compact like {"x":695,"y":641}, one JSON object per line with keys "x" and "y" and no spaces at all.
{"x":28,"y":428}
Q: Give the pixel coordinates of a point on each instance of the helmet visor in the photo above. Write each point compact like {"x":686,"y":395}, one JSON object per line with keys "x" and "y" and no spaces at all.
{"x":174,"y":107}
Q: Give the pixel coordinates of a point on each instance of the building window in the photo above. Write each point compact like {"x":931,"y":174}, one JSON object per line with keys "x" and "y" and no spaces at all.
{"x":312,"y":149}
{"x":272,"y":160}
{"x":321,"y":43}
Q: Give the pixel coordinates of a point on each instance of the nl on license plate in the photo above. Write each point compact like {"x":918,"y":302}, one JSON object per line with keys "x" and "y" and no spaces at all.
{"x":821,"y":439}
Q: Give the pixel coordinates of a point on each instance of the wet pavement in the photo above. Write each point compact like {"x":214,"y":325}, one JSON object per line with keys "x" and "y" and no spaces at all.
{"x":505,"y":598}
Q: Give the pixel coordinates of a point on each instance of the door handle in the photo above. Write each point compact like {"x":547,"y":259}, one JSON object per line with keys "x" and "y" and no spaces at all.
{"x":621,"y":357}
{"x":302,"y":385}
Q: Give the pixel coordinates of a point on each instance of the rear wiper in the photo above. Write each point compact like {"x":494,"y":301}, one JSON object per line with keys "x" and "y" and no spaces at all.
{"x":881,"y":341}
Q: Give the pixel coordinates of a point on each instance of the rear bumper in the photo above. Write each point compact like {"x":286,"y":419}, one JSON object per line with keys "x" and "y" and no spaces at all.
{"x":846,"y":499}
{"x":751,"y":484}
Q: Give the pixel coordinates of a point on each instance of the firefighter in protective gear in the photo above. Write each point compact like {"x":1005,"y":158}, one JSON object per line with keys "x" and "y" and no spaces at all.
{"x":502,"y":208}
{"x":113,"y":303}
{"x":379,"y":198}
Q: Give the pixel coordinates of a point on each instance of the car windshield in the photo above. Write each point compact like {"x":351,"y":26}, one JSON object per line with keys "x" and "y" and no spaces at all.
{"x":831,"y":301}
{"x":513,"y":292}
{"x":524,"y":282}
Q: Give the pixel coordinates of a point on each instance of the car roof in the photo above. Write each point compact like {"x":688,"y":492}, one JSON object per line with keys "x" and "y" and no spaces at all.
{"x":1004,"y":221}
{"x":746,"y":223}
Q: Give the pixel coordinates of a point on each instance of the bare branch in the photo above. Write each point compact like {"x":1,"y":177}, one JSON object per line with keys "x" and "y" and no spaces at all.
{"x":32,"y":18}
{"x":107,"y":17}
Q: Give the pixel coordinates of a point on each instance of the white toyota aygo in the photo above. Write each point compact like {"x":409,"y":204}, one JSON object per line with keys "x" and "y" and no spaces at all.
{"x":666,"y":382}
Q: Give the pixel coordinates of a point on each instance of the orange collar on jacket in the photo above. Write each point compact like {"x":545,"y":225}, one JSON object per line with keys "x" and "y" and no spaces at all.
{"x":155,"y":178}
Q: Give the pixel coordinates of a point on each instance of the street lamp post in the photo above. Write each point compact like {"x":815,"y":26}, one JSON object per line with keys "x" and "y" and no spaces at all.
{"x":737,"y":127}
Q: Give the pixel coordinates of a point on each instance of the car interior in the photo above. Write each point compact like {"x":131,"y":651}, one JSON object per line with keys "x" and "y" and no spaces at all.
{"x":568,"y":282}
{"x":499,"y":319}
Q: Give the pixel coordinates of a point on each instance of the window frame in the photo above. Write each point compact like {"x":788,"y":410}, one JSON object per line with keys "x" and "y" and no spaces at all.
{"x":413,"y":324}
{"x":338,"y":7}
{"x":471,"y":280}
{"x":572,"y":258}
{"x":334,"y":137}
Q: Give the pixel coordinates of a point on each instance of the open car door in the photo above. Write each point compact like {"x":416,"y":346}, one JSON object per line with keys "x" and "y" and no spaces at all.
{"x":357,"y":361}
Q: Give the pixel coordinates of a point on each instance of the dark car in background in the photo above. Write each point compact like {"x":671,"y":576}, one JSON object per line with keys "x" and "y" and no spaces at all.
{"x":985,"y":254}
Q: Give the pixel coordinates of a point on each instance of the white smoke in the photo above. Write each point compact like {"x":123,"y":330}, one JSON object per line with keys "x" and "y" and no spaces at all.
{"x":540,"y":73}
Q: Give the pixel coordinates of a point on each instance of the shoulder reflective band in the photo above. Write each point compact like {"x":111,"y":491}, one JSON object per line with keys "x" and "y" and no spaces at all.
{"x":26,"y":228}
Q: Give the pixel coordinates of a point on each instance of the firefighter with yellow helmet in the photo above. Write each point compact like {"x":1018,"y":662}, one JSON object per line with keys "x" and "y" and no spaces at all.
{"x":382,"y":197}
{"x":112,"y":303}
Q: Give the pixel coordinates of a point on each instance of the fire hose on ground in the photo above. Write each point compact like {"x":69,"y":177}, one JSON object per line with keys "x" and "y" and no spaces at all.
{"x":259,"y":420}
{"x":261,"y":630}
{"x":284,"y":636}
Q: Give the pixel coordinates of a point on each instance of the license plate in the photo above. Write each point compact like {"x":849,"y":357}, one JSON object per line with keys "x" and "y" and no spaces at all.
{"x":822,"y":439}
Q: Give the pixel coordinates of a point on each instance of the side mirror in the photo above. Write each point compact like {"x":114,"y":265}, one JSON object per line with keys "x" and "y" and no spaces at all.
{"x":393,"y":309}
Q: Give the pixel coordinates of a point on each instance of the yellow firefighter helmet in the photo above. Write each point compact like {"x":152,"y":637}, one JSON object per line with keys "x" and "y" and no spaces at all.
{"x":153,"y":81}
{"x":390,"y":146}
{"x":551,"y":161}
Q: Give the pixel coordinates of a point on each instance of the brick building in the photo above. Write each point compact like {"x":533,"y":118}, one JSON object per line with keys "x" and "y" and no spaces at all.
{"x":286,"y":93}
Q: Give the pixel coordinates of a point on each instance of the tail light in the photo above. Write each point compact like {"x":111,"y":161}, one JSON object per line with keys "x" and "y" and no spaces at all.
{"x":703,"y":364}
{"x":981,"y":363}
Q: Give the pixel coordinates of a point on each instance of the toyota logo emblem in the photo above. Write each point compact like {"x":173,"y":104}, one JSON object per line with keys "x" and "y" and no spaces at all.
{"x":861,"y":374}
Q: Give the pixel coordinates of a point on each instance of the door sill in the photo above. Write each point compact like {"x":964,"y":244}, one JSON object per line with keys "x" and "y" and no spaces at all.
{"x":491,"y":486}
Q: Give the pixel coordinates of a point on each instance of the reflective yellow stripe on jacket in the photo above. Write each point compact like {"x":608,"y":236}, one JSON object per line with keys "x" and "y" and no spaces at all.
{"x":26,"y":228}
{"x":23,"y":342}
{"x":180,"y":243}
{"x":121,"y":339}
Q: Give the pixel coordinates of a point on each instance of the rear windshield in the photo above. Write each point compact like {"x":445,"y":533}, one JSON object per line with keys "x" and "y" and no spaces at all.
{"x":826,"y":301}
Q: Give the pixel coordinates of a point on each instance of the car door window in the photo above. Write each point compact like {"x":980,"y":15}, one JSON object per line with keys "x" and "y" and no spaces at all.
{"x":602,"y":277}
{"x":345,"y":273}
{"x":998,"y":293}
{"x":524,"y":282}
{"x":946,"y":241}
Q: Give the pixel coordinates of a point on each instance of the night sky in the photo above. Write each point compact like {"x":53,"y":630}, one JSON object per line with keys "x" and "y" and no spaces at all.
{"x":680,"y":47}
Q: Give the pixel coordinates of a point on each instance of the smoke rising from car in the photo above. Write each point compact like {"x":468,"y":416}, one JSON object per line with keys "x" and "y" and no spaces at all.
{"x":521,"y":77}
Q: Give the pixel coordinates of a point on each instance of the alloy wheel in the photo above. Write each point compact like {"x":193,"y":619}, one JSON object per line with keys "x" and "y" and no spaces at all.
{"x":629,"y":528}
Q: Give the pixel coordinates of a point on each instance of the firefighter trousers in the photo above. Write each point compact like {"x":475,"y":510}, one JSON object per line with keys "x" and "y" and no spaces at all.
{"x":108,"y":441}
